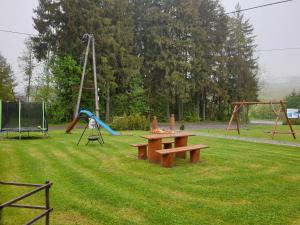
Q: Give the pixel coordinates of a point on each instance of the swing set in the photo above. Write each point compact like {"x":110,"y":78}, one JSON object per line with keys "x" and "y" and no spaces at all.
{"x":238,"y":105}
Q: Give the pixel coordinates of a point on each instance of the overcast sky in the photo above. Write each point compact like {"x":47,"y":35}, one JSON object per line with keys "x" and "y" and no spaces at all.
{"x":276,"y":27}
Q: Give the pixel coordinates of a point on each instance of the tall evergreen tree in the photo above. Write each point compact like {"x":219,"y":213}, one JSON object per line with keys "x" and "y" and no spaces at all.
{"x":242,"y":62}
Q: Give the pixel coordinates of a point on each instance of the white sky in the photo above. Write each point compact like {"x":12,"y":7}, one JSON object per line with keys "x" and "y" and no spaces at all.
{"x":275,"y":26}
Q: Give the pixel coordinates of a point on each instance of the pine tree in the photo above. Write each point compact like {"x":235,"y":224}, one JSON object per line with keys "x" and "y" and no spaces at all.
{"x":242,"y":63}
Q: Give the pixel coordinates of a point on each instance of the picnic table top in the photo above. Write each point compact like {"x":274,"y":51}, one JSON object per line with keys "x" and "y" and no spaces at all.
{"x":160,"y":136}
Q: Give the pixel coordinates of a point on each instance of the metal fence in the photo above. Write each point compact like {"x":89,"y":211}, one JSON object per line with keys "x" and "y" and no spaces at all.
{"x":38,"y":187}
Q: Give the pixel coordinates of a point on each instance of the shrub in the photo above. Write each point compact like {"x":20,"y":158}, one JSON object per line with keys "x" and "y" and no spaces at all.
{"x":131,"y":122}
{"x":191,"y":117}
{"x":293,"y":122}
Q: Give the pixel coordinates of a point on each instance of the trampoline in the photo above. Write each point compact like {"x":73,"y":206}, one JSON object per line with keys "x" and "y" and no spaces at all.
{"x":23,"y":117}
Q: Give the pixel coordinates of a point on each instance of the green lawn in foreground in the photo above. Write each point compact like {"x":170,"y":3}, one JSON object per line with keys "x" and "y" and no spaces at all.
{"x":259,"y":131}
{"x":236,"y":183}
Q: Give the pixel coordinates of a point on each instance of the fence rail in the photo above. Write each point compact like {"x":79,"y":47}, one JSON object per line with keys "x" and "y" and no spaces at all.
{"x":38,"y":187}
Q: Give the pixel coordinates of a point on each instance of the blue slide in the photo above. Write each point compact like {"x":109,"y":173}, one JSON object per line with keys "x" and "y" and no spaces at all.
{"x":100,"y":122}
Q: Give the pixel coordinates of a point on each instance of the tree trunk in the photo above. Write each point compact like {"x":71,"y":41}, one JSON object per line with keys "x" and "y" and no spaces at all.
{"x":107,"y":111}
{"x":179,"y":110}
{"x":203,"y":105}
{"x":168,"y":110}
{"x":197,"y":106}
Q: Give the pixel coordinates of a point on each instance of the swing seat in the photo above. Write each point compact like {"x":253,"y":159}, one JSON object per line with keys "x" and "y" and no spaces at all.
{"x":93,"y":138}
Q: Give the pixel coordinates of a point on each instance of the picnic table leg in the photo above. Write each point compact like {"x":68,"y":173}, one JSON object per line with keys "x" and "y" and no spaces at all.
{"x":195,"y":156}
{"x":154,"y":145}
{"x":181,"y":142}
{"x":142,"y":152}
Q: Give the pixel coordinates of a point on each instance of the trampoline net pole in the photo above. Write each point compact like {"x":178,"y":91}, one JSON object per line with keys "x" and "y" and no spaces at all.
{"x":19,"y":119}
{"x":0,"y":115}
{"x":43,"y":105}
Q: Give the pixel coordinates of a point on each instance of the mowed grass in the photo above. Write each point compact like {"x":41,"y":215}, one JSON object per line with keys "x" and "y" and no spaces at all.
{"x":236,"y":182}
{"x":260,"y":131}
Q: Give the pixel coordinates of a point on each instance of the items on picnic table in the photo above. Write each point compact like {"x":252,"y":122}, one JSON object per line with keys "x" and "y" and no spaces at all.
{"x":156,"y":130}
{"x":154,"y":153}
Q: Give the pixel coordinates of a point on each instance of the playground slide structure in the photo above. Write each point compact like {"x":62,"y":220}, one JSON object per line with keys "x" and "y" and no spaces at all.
{"x":92,"y":116}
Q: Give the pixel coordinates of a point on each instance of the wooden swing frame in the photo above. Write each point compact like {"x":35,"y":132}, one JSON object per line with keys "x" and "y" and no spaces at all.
{"x":237,"y":106}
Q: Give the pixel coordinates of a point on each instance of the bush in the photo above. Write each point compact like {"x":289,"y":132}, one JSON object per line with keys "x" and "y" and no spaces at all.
{"x":293,"y":122}
{"x":191,"y":117}
{"x":131,"y":122}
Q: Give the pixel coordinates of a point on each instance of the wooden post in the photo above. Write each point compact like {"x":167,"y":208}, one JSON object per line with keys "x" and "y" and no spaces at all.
{"x":287,"y":119}
{"x":232,"y":117}
{"x":154,"y":123}
{"x":47,"y":203}
{"x":172,"y":122}
{"x":237,"y":122}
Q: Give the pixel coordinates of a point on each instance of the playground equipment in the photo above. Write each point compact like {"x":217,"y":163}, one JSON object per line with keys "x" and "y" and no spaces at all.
{"x":85,"y":113}
{"x":23,"y":117}
{"x":88,"y":114}
{"x":237,"y":106}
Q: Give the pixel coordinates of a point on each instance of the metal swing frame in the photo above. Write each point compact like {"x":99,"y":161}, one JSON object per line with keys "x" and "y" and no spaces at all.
{"x":99,"y":139}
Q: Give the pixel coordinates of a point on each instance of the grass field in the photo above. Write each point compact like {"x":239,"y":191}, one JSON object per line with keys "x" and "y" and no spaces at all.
{"x":260,"y":131}
{"x":236,"y":182}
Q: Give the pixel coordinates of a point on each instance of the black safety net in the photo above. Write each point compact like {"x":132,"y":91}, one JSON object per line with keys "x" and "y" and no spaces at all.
{"x":31,"y":118}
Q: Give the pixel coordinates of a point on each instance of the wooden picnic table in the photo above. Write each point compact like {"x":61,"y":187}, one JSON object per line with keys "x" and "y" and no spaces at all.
{"x":155,"y":143}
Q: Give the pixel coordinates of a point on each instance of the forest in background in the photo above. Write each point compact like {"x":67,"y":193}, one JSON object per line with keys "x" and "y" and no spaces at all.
{"x":154,"y":57}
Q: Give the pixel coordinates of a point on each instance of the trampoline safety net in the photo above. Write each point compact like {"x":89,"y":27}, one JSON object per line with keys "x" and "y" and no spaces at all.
{"x":23,"y":116}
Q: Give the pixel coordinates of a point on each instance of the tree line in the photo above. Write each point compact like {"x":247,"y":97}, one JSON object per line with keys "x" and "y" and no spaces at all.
{"x":154,"y":57}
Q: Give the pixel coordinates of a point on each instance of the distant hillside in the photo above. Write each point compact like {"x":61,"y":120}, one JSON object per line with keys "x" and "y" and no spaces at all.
{"x":278,"y":87}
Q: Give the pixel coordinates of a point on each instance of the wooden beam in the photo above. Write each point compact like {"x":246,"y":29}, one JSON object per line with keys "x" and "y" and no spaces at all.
{"x":287,"y":119}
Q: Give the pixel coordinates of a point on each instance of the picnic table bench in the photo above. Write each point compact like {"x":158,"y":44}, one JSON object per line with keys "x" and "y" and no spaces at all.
{"x":168,"y":155}
{"x":142,"y":148}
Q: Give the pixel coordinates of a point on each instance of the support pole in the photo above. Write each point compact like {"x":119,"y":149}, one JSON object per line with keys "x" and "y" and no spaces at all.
{"x":232,"y":117}
{"x":276,"y":123}
{"x":0,"y":115}
{"x":83,"y":74}
{"x":287,"y":119}
{"x":19,"y":120}
{"x":47,"y":203}
{"x":95,"y":78}
{"x":43,"y":124}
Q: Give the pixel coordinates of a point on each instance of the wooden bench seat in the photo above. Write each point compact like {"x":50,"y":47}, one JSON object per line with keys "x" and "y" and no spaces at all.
{"x":142,"y":150}
{"x":167,"y":155}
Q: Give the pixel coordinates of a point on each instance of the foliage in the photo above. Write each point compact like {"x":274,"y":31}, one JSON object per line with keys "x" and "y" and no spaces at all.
{"x":66,"y":78}
{"x":191,"y":117}
{"x":27,"y":65}
{"x":132,"y":122}
{"x":293,"y":100}
{"x":7,"y":80}
{"x":155,"y":57}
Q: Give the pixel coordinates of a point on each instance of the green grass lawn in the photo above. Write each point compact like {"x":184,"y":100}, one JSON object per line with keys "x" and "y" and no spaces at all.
{"x":236,"y":182}
{"x":260,"y":131}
